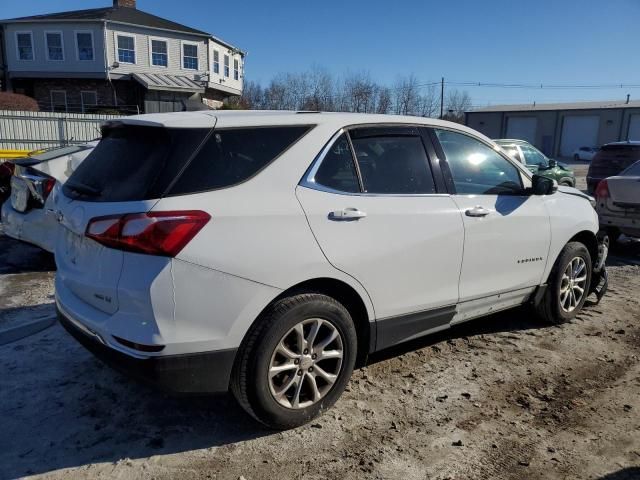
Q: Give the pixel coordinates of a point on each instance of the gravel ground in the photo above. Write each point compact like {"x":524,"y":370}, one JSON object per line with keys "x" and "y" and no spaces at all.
{"x":498,"y":398}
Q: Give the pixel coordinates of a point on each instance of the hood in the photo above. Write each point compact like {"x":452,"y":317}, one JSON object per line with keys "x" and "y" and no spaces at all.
{"x":576,"y":192}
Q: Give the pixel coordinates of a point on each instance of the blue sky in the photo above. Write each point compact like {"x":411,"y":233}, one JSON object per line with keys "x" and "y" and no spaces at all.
{"x":492,"y":41}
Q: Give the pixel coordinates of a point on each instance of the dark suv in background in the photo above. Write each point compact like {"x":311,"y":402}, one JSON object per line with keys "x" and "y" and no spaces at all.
{"x":610,"y":160}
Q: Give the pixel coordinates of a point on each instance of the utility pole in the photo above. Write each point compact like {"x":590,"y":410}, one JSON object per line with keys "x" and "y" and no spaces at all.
{"x":441,"y":98}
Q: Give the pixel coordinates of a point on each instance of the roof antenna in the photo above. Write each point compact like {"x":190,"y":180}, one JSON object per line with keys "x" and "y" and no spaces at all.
{"x":628,"y":97}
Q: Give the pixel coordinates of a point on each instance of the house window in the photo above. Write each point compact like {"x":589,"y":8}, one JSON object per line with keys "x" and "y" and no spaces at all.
{"x":54,"y":45}
{"x":216,"y":62}
{"x":226,"y":65}
{"x":159,"y":55}
{"x":126,"y":49}
{"x":84,"y":43}
{"x":89,"y":99}
{"x":24,"y":44}
{"x":190,"y":56}
{"x":236,"y":69}
{"x":58,"y":101}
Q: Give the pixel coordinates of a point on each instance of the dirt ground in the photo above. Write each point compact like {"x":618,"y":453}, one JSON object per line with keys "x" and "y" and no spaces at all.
{"x":504,"y":397}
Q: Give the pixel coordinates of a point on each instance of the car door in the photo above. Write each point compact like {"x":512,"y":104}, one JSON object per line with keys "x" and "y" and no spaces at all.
{"x":507,"y":231}
{"x":380,"y":216}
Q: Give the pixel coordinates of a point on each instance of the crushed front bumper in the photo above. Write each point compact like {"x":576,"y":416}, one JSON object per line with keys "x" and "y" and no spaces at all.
{"x":600,"y":277}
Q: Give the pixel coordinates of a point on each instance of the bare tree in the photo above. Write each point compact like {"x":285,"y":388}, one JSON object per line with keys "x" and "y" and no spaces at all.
{"x":456,"y":104}
{"x":317,"y":89}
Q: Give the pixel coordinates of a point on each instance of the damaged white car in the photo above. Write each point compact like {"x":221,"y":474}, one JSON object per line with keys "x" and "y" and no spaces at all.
{"x":27,"y":215}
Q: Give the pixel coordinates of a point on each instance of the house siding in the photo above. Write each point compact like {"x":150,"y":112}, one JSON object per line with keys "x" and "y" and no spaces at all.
{"x":218,"y":79}
{"x":142,"y":45}
{"x":71,"y":64}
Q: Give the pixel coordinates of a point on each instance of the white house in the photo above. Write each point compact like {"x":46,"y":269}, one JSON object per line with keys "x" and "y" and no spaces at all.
{"x":117,"y":57}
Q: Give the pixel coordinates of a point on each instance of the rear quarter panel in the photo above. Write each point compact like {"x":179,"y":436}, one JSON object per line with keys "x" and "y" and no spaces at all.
{"x":258,"y":230}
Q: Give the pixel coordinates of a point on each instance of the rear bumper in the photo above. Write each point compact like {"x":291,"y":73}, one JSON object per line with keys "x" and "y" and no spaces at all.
{"x":207,"y":372}
{"x":628,"y":223}
{"x":33,"y":227}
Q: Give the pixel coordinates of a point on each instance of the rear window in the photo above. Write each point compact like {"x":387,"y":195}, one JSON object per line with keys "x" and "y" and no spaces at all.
{"x":134,"y":163}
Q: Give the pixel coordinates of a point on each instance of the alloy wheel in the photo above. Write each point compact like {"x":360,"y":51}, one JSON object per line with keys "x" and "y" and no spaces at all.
{"x":306,"y":363}
{"x":573,"y":284}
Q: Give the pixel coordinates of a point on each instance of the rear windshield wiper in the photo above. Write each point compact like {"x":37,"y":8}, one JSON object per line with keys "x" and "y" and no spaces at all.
{"x":83,"y":189}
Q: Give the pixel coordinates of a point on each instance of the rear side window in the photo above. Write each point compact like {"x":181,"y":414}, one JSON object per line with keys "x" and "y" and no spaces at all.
{"x":393,"y":164}
{"x":232,"y":156}
{"x":134,"y":163}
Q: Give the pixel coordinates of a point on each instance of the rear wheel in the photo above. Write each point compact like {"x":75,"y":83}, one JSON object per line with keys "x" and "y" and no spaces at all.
{"x":568,"y":285}
{"x":296,"y":361}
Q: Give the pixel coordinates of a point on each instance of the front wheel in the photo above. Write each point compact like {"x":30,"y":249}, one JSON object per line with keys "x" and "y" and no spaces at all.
{"x":568,"y":285}
{"x":296,"y":361}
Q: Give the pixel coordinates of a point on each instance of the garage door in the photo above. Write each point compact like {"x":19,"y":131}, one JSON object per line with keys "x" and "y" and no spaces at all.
{"x":579,"y":131}
{"x":522,"y":128}
{"x":634,"y":128}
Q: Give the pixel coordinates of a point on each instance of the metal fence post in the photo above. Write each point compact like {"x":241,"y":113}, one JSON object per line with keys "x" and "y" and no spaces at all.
{"x":61,"y":131}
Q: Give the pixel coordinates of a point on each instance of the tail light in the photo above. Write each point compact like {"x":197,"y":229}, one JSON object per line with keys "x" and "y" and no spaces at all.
{"x":602,"y":190}
{"x":6,"y":169}
{"x":47,"y":186}
{"x":152,"y":233}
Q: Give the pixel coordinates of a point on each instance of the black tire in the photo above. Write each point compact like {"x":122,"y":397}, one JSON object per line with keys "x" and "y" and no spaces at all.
{"x":549,"y":308}
{"x":566,"y":184}
{"x":250,"y":376}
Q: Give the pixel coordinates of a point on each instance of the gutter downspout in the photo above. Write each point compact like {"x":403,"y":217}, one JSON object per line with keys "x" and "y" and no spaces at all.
{"x":106,"y":62}
{"x":3,"y":57}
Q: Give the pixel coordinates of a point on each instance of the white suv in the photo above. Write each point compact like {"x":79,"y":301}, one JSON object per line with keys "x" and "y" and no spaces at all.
{"x":270,"y":252}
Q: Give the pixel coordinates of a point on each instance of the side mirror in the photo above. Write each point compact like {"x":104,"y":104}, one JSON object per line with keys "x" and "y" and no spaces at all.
{"x":543,"y":186}
{"x":552,"y":163}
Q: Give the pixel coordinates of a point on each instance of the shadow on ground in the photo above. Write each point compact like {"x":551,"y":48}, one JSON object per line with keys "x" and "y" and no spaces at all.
{"x":20,"y":257}
{"x":632,"y":473}
{"x":66,"y":409}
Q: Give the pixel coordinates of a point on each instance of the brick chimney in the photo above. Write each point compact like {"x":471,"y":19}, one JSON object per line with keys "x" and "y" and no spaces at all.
{"x":124,"y":3}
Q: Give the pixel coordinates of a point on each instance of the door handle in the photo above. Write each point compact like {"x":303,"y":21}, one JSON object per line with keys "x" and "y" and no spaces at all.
{"x":477,"y":211}
{"x":347,"y":214}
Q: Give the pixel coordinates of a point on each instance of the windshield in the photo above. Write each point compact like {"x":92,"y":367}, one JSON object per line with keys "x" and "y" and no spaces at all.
{"x":632,"y":171}
{"x":533,"y":156}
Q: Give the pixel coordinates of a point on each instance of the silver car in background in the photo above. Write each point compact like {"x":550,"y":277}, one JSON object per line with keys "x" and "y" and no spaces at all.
{"x":618,"y":203}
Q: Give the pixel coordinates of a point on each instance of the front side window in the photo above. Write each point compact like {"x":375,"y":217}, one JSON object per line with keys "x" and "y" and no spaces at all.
{"x":337,"y":170}
{"x":85,"y":46}
{"x":477,"y":168}
{"x":216,"y":61}
{"x":190,"y":56}
{"x":533,"y":156}
{"x":24,"y":42}
{"x":55,"y":49}
{"x":236,"y":69}
{"x":226,"y":65}
{"x":393,"y":164}
{"x":126,"y":49}
{"x":159,"y":55}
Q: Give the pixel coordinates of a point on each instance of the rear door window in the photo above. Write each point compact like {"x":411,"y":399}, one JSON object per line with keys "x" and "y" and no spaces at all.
{"x":392,"y":162}
{"x":337,"y":170}
{"x":133,"y":163}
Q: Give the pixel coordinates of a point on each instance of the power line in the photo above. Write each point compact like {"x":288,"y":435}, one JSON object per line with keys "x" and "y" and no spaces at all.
{"x":542,"y":86}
